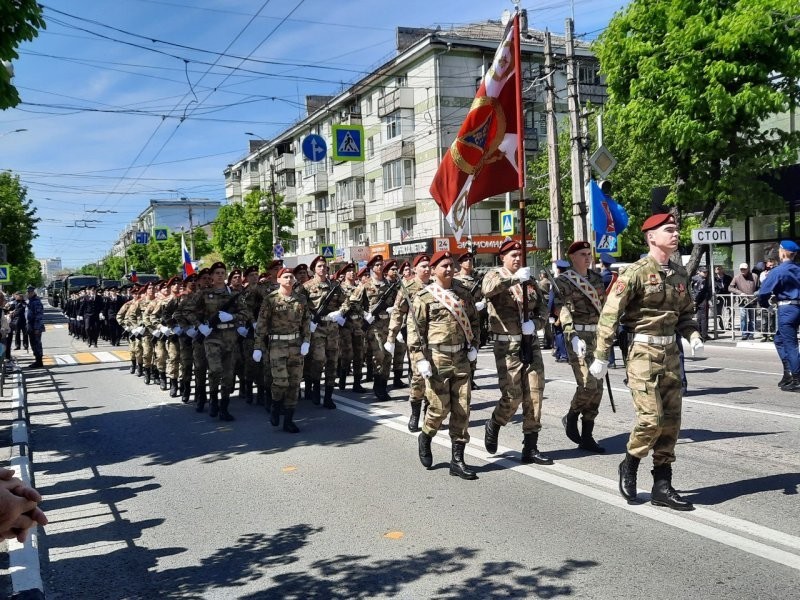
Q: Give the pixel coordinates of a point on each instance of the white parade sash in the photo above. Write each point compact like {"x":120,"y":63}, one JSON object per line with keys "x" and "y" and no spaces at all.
{"x":454,"y":305}
{"x":584,"y":287}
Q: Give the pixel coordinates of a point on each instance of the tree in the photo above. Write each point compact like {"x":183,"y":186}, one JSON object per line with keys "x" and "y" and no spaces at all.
{"x":17,"y":231}
{"x":691,"y":83}
{"x":166,"y":256}
{"x":20,"y":21}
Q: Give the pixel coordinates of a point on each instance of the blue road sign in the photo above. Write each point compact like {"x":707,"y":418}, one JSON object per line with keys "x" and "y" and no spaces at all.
{"x":278,"y":250}
{"x":507,"y":222}
{"x":314,"y":147}
{"x":327,"y":251}
{"x":5,"y":273}
{"x":142,"y":237}
{"x":160,"y":233}
{"x":348,"y":142}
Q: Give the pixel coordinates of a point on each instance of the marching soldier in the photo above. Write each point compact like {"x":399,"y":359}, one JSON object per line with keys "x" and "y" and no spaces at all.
{"x":520,"y":383}
{"x":652,"y":301}
{"x":399,"y":321}
{"x":394,"y":275}
{"x":171,"y":338}
{"x":351,"y":334}
{"x":89,"y":312}
{"x":142,"y":322}
{"x":157,"y":329}
{"x":443,"y":338}
{"x":254,"y":294}
{"x":185,"y":342}
{"x":122,"y":317}
{"x":283,"y":327}
{"x":184,"y":319}
{"x":578,"y":303}
{"x":466,"y":277}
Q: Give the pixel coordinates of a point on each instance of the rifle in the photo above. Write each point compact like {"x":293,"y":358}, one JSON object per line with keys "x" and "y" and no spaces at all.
{"x":477,"y":284}
{"x":382,"y":302}
{"x":214,"y":321}
{"x":315,"y":314}
{"x":423,"y":341}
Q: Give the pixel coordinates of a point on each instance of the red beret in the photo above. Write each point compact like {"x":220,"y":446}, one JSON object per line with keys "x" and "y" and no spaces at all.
{"x":439,"y":257}
{"x":173,"y":280}
{"x":204,"y":271}
{"x":657,"y":221}
{"x":420,"y":258}
{"x":575,"y":246}
{"x":192,"y":277}
{"x":508,"y":246}
{"x":403,"y":265}
{"x":300,"y":267}
{"x":217,"y":265}
{"x":374,"y":259}
{"x":466,"y":256}
{"x":362,"y":272}
{"x":285,"y":270}
{"x":275,"y":264}
{"x":315,"y":261}
{"x":389,"y":264}
{"x":234,"y":272}
{"x":250,"y":269}
{"x":344,"y":270}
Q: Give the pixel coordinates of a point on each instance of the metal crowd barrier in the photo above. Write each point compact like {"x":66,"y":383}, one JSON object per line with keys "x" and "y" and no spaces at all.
{"x":726,"y":318}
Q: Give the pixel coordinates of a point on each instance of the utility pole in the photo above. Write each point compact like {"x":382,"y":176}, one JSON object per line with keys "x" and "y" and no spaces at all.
{"x":191,"y":233}
{"x":556,"y":215}
{"x":578,"y":199}
{"x":273,"y":204}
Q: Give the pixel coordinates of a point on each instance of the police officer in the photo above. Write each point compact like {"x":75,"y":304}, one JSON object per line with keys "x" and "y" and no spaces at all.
{"x":652,"y":301}
{"x":519,"y":383}
{"x":783,"y":284}
{"x":443,"y":339}
{"x":578,"y":302}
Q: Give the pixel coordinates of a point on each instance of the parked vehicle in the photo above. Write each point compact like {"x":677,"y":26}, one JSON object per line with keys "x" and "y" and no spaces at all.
{"x":55,"y":293}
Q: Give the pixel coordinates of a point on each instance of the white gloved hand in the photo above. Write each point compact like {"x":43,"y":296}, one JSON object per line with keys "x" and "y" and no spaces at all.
{"x":164,"y":329}
{"x":340,"y":321}
{"x":242,"y":330}
{"x":523,"y":274}
{"x":333,"y":316}
{"x":389,"y":310}
{"x":204,"y":329}
{"x":389,"y":347}
{"x":157,"y":333}
{"x":304,"y":348}
{"x":102,"y":317}
{"x":578,"y":346}
{"x":551,"y":320}
{"x":80,"y":318}
{"x":312,"y":326}
{"x":424,"y":368}
{"x":399,"y":338}
{"x":599,"y":368}
{"x":257,"y":354}
{"x":369,"y":318}
{"x":225,"y":317}
{"x":697,"y":346}
{"x":472,"y":354}
{"x":191,"y":332}
{"x":254,"y":325}
{"x":528,"y":328}
{"x":177,"y":330}
{"x":480,"y":306}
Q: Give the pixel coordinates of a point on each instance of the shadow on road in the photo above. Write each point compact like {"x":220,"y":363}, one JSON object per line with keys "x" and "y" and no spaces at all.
{"x":787,"y":484}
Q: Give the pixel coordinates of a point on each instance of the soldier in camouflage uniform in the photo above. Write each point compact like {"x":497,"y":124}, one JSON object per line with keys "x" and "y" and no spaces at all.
{"x":651,"y":300}
{"x":283,"y":326}
{"x":519,"y":383}
{"x":122,"y":318}
{"x":400,"y":351}
{"x":254,"y":294}
{"x":143,"y":323}
{"x":157,"y":329}
{"x":401,"y":319}
{"x":216,"y":313}
{"x":171,"y":338}
{"x":185,"y":342}
{"x":351,"y":334}
{"x":184,"y":319}
{"x":236,"y":285}
{"x":578,"y":302}
{"x":466,"y":278}
{"x":442,"y":349}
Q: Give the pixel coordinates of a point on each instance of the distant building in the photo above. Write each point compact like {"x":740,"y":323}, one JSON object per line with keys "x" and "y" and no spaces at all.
{"x":50,"y":266}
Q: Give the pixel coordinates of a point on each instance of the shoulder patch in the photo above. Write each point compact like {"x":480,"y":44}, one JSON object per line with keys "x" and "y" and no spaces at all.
{"x":620,"y":287}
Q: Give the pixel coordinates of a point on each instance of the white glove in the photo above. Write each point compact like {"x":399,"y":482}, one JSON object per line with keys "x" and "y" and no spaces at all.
{"x":334,"y":316}
{"x":472,"y":354}
{"x":389,"y":310}
{"x":254,"y":325}
{"x":242,"y":330}
{"x":480,"y":306}
{"x":225,"y":317}
{"x":157,"y":333}
{"x":389,"y":347}
{"x":304,"y":348}
{"x":177,"y":330}
{"x":80,"y":318}
{"x":164,"y":329}
{"x":599,"y":368}
{"x":204,"y":329}
{"x":578,"y":346}
{"x":102,"y":317}
{"x":551,"y":320}
{"x":399,"y":338}
{"x":424,"y":368}
{"x":697,"y":346}
{"x":312,"y":326}
{"x":369,"y":318}
{"x":523,"y":274}
{"x":528,"y":328}
{"x":191,"y":332}
{"x":257,"y":354}
{"x":340,"y":321}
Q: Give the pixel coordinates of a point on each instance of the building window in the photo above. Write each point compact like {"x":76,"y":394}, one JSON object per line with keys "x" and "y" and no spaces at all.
{"x":494,"y":220}
{"x":368,"y":105}
{"x":372,"y":190}
{"x":387,"y":231}
{"x":392,"y":125}
{"x":371,"y":147}
{"x":398,"y":173}
{"x":350,"y":189}
{"x":313,"y":167}
{"x":401,"y":81}
{"x":589,"y":74}
{"x":407,"y":225}
{"x":373,"y":232}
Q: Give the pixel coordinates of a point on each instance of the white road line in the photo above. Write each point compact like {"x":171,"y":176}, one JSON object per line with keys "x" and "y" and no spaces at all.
{"x":65,"y":359}
{"x":701,"y":522}
{"x":107,"y":357}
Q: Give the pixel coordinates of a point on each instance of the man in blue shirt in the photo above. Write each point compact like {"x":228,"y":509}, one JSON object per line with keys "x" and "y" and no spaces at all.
{"x":783,"y":284}
{"x":34,"y":317}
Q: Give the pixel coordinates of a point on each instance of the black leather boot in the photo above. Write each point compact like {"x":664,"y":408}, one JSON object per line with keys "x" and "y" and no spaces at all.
{"x":260,"y":394}
{"x":570,"y":423}
{"x":627,"y":477}
{"x":267,"y":397}
{"x":370,"y":369}
{"x":413,"y":420}
{"x":398,"y":380}
{"x":213,"y":407}
{"x":328,"y":402}
{"x":200,"y":394}
{"x":139,"y":371}
{"x":377,"y":387}
{"x":186,"y":390}
{"x":663,"y":493}
{"x":342,"y":379}
{"x":385,"y":397}
{"x":587,"y":441}
{"x":275,"y":413}
{"x":308,"y":390}
{"x":288,"y":423}
{"x":133,"y":367}
{"x":424,"y":446}
{"x":173,"y":387}
{"x":787,"y":377}
{"x":491,"y":435}
{"x":224,"y":403}
{"x":162,"y":380}
{"x":315,"y":393}
{"x":787,"y":385}
{"x":247,"y":391}
{"x":457,"y":465}
{"x":147,"y":375}
{"x":530,"y":452}
{"x":357,"y":387}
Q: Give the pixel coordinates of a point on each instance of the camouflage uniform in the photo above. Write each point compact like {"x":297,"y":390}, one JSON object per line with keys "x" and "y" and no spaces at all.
{"x":146,"y":338}
{"x":172,"y":343}
{"x":186,"y":348}
{"x":351,"y":342}
{"x":400,"y":319}
{"x":153,"y":318}
{"x":253,"y":371}
{"x":122,"y":319}
{"x":199,"y":362}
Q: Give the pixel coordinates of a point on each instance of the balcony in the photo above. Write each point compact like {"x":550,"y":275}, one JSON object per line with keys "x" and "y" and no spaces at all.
{"x":397,"y":150}
{"x":348,"y":169}
{"x":289,"y":195}
{"x":316,"y":183}
{"x":314,"y":220}
{"x":352,"y":210}
{"x":250,"y":180}
{"x":402,"y":197}
{"x":285,"y":162}
{"x":396,"y":99}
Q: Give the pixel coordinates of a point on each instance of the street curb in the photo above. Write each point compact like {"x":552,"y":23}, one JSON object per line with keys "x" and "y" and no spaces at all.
{"x":26,"y":578}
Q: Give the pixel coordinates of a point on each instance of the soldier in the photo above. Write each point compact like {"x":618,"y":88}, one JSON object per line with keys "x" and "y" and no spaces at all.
{"x":285,"y":320}
{"x":122,"y":317}
{"x":89,"y":312}
{"x":143,"y":329}
{"x":199,"y":359}
{"x":171,"y":338}
{"x":300,"y":273}
{"x":236,"y":285}
{"x":351,"y":334}
{"x":394,"y":275}
{"x":578,"y":302}
{"x":520,"y":383}
{"x":406,"y":272}
{"x":443,"y":339}
{"x":185,"y":342}
{"x":651,"y":299}
{"x":272,"y":274}
{"x":216,"y":313}
{"x":157,"y":327}
{"x":113,"y":305}
{"x":363,"y":275}
{"x":466,"y":277}
{"x":399,"y":321}
{"x":254,"y":294}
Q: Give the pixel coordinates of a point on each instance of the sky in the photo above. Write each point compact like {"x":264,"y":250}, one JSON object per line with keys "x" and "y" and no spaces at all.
{"x":135,"y":100}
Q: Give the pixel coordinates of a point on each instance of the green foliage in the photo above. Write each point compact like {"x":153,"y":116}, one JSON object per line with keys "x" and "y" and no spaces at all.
{"x":18,"y":222}
{"x":20,"y":20}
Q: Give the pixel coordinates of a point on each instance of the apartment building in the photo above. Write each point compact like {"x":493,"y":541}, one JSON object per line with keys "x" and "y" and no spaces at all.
{"x":411,"y":109}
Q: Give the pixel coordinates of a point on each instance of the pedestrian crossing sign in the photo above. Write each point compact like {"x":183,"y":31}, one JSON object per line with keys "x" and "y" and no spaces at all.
{"x":160,"y":233}
{"x":5,"y":273}
{"x":327,"y":251}
{"x":507,"y":222}
{"x":348,"y":142}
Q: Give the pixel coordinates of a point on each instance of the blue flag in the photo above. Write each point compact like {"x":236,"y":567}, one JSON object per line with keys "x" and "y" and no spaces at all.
{"x":609,"y":219}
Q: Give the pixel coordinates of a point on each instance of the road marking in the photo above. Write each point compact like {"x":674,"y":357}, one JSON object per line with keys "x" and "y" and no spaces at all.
{"x":704,"y":522}
{"x":87,"y":358}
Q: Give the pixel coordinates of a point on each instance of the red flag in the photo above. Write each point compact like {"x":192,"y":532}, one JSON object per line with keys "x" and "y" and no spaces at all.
{"x":483,"y":160}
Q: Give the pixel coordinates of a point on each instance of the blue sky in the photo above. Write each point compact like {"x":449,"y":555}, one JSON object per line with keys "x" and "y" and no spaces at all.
{"x":141,"y":99}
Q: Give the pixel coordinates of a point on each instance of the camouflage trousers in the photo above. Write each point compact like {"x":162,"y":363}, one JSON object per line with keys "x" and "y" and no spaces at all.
{"x":253,"y":371}
{"x":589,"y":392}
{"x":449,"y":393}
{"x":173,"y":357}
{"x":286,"y":366}
{"x":220,"y":347}
{"x":199,"y":360}
{"x":147,"y":350}
{"x":135,"y":346}
{"x":160,"y":352}
{"x":351,"y":346}
{"x":654,"y":378}
{"x":186,"y":349}
{"x":519,"y":384}
{"x":376,"y":337}
{"x":399,"y":357}
{"x":324,"y":353}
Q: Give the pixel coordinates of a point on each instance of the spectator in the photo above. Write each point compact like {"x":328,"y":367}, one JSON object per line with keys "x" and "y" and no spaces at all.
{"x":745,"y":284}
{"x":18,"y":507}
{"x":544,"y":285}
{"x":35,"y":322}
{"x":701,"y":294}
{"x":721,"y":282}
{"x":18,"y":329}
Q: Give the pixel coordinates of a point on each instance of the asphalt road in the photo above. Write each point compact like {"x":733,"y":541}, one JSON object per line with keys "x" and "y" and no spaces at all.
{"x":148,"y":499}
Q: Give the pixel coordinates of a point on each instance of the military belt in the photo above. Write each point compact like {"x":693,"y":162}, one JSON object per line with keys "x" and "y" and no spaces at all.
{"x":288,"y":336}
{"x":658,"y":340}
{"x":579,"y":327}
{"x":787,"y":302}
{"x":448,"y":347}
{"x":224,"y":326}
{"x":505,"y":337}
